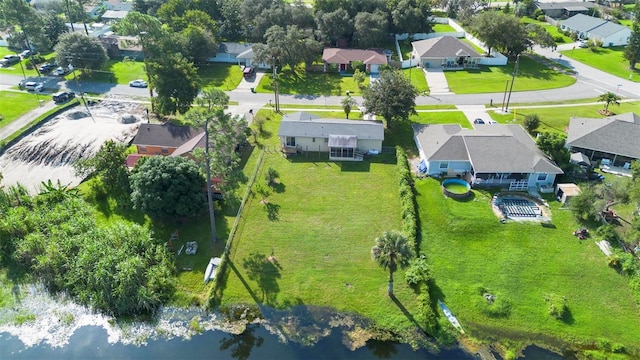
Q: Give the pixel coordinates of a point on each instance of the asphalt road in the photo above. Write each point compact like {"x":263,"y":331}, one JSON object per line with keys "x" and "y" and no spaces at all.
{"x":590,"y":84}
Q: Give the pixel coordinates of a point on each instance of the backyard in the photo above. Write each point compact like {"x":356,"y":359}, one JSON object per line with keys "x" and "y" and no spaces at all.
{"x":520,"y":263}
{"x":610,"y":60}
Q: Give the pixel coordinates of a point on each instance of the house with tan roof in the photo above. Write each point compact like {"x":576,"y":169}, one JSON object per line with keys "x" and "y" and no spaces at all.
{"x":490,"y":155}
{"x":614,"y":140}
{"x":371,"y":58}
{"x":446,"y":52}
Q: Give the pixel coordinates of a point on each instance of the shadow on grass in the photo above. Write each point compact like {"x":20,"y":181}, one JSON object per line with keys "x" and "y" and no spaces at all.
{"x":241,"y":345}
{"x":273,"y":211}
{"x":567,"y":317}
{"x":406,"y":312}
{"x":266,"y":272}
{"x":244,"y":282}
{"x":355,"y":166}
{"x":278,"y":187}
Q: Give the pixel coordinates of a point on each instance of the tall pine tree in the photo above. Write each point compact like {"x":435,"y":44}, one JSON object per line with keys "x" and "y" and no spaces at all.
{"x":632,"y":51}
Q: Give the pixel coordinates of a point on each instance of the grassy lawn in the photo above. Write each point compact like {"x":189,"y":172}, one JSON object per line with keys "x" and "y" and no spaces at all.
{"x":15,"y":69}
{"x":116,"y":71}
{"x":406,"y":48}
{"x":308,"y":83}
{"x":551,"y":29}
{"x":417,"y":78}
{"x":521,"y":263}
{"x":327,"y":261}
{"x":610,"y":60}
{"x":220,"y":75}
{"x":556,"y":118}
{"x":477,"y":48}
{"x":15,"y":104}
{"x":487,"y":79}
{"x":440,"y":28}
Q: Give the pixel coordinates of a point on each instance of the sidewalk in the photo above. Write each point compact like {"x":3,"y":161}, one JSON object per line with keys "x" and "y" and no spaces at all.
{"x":25,"y":119}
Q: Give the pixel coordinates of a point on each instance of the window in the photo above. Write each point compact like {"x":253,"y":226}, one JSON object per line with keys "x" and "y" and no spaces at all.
{"x":142,"y":149}
{"x":165,"y":150}
{"x":290,"y":141}
{"x":444,"y":165}
{"x":337,"y":152}
{"x":326,"y":140}
{"x":313,"y":139}
{"x":542,"y":177}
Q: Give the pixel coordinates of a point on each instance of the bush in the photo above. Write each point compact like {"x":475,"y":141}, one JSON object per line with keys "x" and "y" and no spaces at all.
{"x":407,"y":199}
{"x":271,"y":175}
{"x":531,"y":123}
{"x":557,"y":305}
{"x":418,"y":274}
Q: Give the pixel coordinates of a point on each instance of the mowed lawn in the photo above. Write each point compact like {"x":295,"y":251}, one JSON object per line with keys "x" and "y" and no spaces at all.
{"x":531,"y":76}
{"x":610,"y":60}
{"x":311,"y":83}
{"x":468,"y":248}
{"x":15,"y":104}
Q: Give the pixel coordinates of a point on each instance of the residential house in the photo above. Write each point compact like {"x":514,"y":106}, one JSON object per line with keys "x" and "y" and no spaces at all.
{"x":122,"y":46}
{"x":613,"y":141}
{"x":167,"y":139}
{"x":489,"y":155}
{"x":588,"y":27}
{"x":228,"y":53}
{"x":445,"y":52}
{"x":342,"y":139}
{"x":565,"y":10}
{"x":114,"y":15}
{"x":94,"y":10}
{"x":342,"y":58}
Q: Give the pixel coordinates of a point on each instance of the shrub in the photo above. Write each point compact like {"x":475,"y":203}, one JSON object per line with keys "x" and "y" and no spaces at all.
{"x":531,"y":123}
{"x":407,"y":199}
{"x":271,"y":175}
{"x":418,"y":274}
{"x":557,"y":305}
{"x":541,"y":18}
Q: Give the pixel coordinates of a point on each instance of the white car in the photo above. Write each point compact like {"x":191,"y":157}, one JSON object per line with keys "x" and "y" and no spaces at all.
{"x":33,"y":86}
{"x":60,"y":71}
{"x":139,"y":83}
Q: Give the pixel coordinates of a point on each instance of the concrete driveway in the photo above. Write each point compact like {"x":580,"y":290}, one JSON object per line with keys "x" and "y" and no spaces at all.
{"x":473,"y":112}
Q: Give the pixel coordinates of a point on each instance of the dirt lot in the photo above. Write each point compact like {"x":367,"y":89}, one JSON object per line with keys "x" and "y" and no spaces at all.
{"x":49,"y":151}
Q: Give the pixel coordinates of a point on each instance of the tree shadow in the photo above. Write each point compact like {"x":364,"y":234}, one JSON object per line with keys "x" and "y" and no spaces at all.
{"x":382,"y":349}
{"x":407,"y":313}
{"x":355,"y":166}
{"x":278,"y":187}
{"x":265,"y":271}
{"x":567,"y":317}
{"x":273,"y":211}
{"x":244,"y":282}
{"x":242,"y":344}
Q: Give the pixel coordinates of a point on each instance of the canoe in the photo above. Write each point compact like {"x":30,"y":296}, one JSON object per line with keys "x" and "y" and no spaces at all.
{"x":449,"y":315}
{"x":210,"y":272}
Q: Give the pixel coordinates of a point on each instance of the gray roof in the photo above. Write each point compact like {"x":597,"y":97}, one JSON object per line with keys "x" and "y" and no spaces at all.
{"x":232,"y":48}
{"x":608,"y":29}
{"x":564,"y":5}
{"x":489,"y":148}
{"x":618,"y":134}
{"x":580,"y":158}
{"x":166,"y":135}
{"x":592,"y":25}
{"x":303,"y":124}
{"x":115,"y":14}
{"x":442,"y":47}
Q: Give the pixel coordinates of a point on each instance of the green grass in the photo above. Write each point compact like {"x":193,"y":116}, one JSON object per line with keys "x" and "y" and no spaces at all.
{"x":468,"y":248}
{"x":610,"y":60}
{"x":440,"y":28}
{"x":15,"y":69}
{"x":531,"y":76}
{"x":477,"y":48}
{"x":406,"y":48}
{"x":551,"y":29}
{"x":16,"y":104}
{"x":417,"y":78}
{"x":308,"y":83}
{"x":115,"y":71}
{"x":556,"y":118}
{"x":219,"y":75}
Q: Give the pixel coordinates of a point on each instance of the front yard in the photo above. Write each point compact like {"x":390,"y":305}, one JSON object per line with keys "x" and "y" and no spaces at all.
{"x":15,"y":104}
{"x":610,"y":60}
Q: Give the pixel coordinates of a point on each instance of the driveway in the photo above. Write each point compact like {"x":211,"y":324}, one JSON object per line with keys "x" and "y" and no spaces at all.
{"x":473,"y":112}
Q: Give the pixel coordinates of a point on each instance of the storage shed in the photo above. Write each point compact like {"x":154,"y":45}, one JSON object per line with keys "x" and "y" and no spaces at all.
{"x":564,"y":192}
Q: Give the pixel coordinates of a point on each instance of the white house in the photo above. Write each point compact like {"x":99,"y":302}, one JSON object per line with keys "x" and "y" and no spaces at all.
{"x":489,"y":155}
{"x":445,"y":52}
{"x":589,"y":27}
{"x":343,"y":139}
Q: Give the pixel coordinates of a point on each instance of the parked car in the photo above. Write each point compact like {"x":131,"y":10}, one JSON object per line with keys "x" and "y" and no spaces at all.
{"x":60,"y":71}
{"x":33,"y":86}
{"x":139,"y":83}
{"x":248,"y":72}
{"x":26,"y":53}
{"x":46,"y":68}
{"x":63,"y":96}
{"x":478,"y":121}
{"x":583,"y":43}
{"x":594,"y":176}
{"x":9,"y":60}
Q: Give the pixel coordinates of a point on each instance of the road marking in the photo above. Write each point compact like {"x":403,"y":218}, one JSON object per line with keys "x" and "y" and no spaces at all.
{"x":598,"y":91}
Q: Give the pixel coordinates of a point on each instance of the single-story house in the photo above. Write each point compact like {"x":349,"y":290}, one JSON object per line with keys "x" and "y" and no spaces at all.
{"x":121,"y":46}
{"x":167,"y":139}
{"x":94,"y":10}
{"x":342,"y":139}
{"x":564,"y":192}
{"x":445,"y":52}
{"x":114,"y":15}
{"x":371,"y":58}
{"x":491,"y":155}
{"x":589,"y":27}
{"x":228,"y":53}
{"x":614,"y":139}
{"x":564,"y":10}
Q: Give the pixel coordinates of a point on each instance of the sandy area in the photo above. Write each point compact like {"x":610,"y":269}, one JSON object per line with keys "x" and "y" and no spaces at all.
{"x":49,"y":151}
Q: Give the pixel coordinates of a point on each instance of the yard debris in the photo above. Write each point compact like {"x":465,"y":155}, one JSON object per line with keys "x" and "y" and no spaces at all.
{"x":192,"y":247}
{"x":605,"y":247}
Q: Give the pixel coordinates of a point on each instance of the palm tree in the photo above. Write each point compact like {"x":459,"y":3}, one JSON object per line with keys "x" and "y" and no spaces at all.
{"x":390,"y":252}
{"x":609,"y":98}
{"x":348,"y":103}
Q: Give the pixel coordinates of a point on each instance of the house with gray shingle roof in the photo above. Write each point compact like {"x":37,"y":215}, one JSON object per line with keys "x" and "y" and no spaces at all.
{"x":615,"y":138}
{"x":557,"y":10}
{"x":343,"y":139}
{"x":445,"y":52}
{"x":588,"y":27}
{"x":489,"y":155}
{"x":371,"y":58}
{"x":228,"y":53}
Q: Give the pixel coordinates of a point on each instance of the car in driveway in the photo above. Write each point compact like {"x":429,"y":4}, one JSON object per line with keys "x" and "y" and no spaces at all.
{"x":26,"y":54}
{"x":46,"y":68}
{"x":63,"y":96}
{"x":139,"y":83}
{"x":60,"y":71}
{"x":33,"y":86}
{"x":478,"y":121}
{"x":9,"y":60}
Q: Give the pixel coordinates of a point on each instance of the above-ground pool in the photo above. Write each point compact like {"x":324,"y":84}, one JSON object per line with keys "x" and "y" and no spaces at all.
{"x":456,"y":188}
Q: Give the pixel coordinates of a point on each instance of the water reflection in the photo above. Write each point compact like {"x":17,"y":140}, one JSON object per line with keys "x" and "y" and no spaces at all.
{"x":382,"y":349}
{"x":241,"y":345}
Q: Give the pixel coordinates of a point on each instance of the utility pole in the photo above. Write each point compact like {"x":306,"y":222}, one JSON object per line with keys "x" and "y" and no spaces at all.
{"x":275,"y":88}
{"x":513,"y":79}
{"x":146,"y":67}
{"x":505,"y":95}
{"x":212,"y":219}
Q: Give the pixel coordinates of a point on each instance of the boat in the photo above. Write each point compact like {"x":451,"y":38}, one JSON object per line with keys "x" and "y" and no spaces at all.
{"x":452,"y":319}
{"x":210,"y":272}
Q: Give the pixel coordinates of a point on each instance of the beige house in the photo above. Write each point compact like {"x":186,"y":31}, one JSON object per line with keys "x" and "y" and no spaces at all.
{"x":446,"y":52}
{"x":346,"y":140}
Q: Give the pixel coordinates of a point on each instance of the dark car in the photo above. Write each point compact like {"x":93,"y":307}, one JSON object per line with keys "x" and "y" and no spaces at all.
{"x":46,"y":68}
{"x":594,"y":176}
{"x":63,"y":96}
{"x":248,"y":72}
{"x":478,"y":121}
